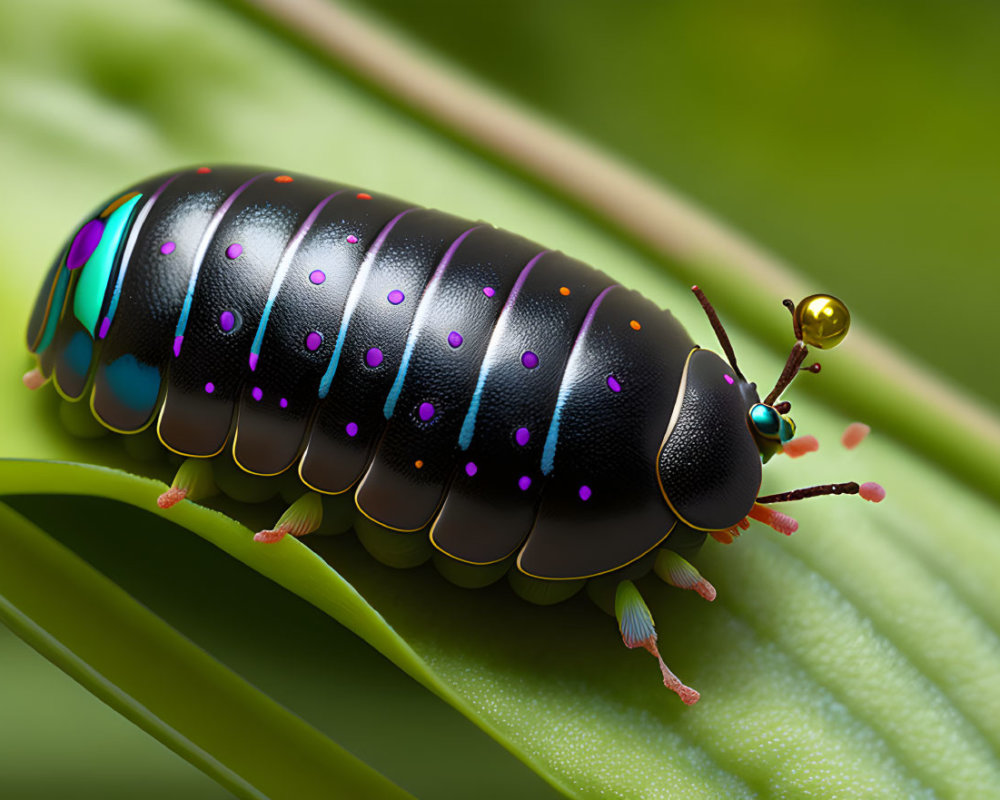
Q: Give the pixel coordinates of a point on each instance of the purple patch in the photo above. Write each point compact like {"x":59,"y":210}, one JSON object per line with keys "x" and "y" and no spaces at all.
{"x":105,"y":325}
{"x":234,"y":251}
{"x":524,"y":482}
{"x":313,"y":340}
{"x":373,"y":357}
{"x":167,"y":248}
{"x":529,"y":359}
{"x":178,"y":341}
{"x":613,"y":384}
{"x":470,"y":469}
{"x":396,"y":297}
{"x":425,"y":411}
{"x":521,"y":436}
{"x":352,"y":239}
{"x":455,"y":339}
{"x":257,"y":393}
{"x":585,"y":493}
{"x":227,"y":320}
{"x":352,"y":429}
{"x":209,"y":387}
{"x":85,"y":243}
{"x":253,"y":361}
{"x":283,"y":402}
{"x":489,"y":291}
{"x":317,"y":276}
{"x":729,"y":379}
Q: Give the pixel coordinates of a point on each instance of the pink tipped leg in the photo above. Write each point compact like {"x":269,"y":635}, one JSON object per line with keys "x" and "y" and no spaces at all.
{"x":679,"y":572}
{"x":854,"y":435}
{"x":271,"y":536}
{"x":782,"y":523}
{"x":636,"y":626}
{"x":872,"y":492}
{"x":799,"y":446}
{"x":33,"y":379}
{"x":171,"y":497}
{"x":302,"y":517}
{"x":193,"y":481}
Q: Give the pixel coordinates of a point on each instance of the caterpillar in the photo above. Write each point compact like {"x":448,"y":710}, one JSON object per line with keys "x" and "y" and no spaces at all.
{"x":513,"y":406}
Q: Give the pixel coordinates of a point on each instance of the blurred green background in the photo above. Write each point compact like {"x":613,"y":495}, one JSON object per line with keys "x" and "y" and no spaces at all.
{"x":856,"y":140}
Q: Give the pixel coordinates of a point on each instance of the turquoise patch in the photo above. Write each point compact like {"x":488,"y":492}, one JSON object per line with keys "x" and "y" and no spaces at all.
{"x":96,"y":273}
{"x":55,"y":310}
{"x":135,"y":385}
{"x":79,"y":352}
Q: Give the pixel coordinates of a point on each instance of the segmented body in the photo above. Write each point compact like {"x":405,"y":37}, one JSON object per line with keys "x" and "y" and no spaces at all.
{"x":455,"y":376}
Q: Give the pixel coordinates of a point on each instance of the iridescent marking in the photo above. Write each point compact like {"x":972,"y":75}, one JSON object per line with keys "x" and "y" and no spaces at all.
{"x":524,"y":483}
{"x":493,"y":352}
{"x":352,"y":429}
{"x":234,"y":251}
{"x":92,"y":285}
{"x":199,"y":258}
{"x":55,"y":309}
{"x":279,"y":275}
{"x":209,"y":387}
{"x":127,"y":252}
{"x":471,"y":469}
{"x":257,"y":393}
{"x":419,"y":320}
{"x":353,"y":297}
{"x":573,"y":366}
{"x":585,"y":493}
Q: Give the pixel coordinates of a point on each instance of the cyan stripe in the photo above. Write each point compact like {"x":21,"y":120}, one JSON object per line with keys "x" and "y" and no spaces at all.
{"x":127,"y":252}
{"x":199,"y":257}
{"x":469,"y":423}
{"x":279,"y":275}
{"x":423,"y":310}
{"x":572,"y":365}
{"x":357,"y":287}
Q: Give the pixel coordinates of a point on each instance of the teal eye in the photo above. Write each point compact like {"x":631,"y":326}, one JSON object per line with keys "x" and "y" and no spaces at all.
{"x":766,"y":420}
{"x":787,"y":430}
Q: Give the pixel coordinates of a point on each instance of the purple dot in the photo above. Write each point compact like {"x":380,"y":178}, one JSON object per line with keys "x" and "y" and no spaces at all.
{"x":613,"y":384}
{"x":352,"y":429}
{"x":529,"y":359}
{"x":425,"y":411}
{"x":167,"y":248}
{"x":489,"y":291}
{"x":227,"y":321}
{"x":521,"y":436}
{"x":105,"y":327}
{"x":524,"y":482}
{"x":470,"y":469}
{"x":234,"y":250}
{"x":396,"y":297}
{"x":455,"y":339}
{"x":84,"y":244}
{"x":283,"y":402}
{"x":257,"y":393}
{"x":729,"y":379}
{"x":317,"y":276}
{"x":209,"y":387}
{"x":585,"y":492}
{"x":373,"y":357}
{"x":313,"y":340}
{"x":352,"y":239}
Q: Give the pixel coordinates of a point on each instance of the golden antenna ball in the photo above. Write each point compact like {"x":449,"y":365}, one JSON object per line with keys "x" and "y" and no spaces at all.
{"x":824,"y":320}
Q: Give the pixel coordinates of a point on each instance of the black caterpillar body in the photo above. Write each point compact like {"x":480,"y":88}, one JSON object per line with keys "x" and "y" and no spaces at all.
{"x":458,"y":378}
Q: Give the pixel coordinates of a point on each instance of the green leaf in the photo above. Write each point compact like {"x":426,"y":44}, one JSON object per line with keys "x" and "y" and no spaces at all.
{"x":166,"y":685}
{"x":858,"y":658}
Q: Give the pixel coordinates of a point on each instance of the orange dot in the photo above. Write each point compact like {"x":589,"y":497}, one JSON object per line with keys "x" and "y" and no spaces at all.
{"x":203,"y":170}
{"x":564,"y":290}
{"x":364,"y":196}
{"x":283,"y":179}
{"x":418,"y":463}
{"x":635,"y":324}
